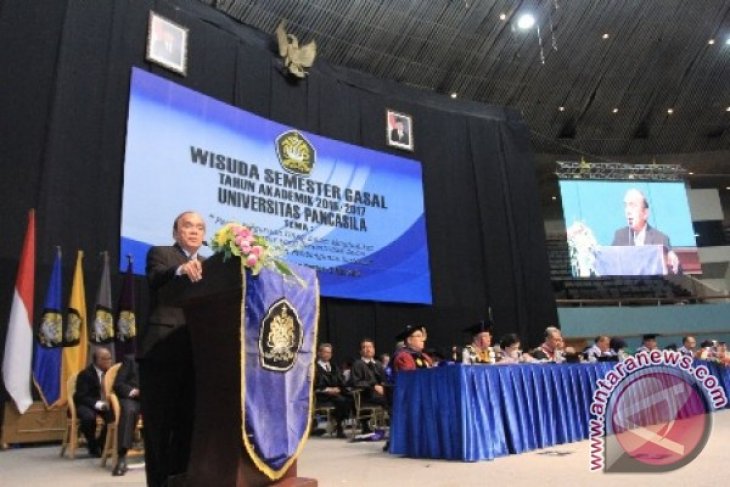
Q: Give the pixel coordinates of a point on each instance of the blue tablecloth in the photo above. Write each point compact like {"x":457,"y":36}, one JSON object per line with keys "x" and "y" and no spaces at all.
{"x":472,"y":413}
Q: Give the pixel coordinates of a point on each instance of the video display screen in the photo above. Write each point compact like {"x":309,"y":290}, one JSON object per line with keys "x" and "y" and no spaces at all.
{"x":354,"y":214}
{"x":628,"y":228}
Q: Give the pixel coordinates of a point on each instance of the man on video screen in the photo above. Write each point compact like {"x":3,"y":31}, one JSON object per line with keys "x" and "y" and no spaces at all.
{"x":639,"y":232}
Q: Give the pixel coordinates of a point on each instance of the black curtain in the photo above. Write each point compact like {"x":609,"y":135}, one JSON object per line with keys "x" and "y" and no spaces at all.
{"x":63,"y":105}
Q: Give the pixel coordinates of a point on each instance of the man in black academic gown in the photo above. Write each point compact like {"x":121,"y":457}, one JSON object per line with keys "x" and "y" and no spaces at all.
{"x":329,"y":387}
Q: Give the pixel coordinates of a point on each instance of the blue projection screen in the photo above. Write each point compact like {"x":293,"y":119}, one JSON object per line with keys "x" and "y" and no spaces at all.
{"x":354,"y":214}
{"x":600,"y":223}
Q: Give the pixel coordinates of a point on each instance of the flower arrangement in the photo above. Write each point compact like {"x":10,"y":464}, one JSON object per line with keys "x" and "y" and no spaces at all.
{"x":255,"y":252}
{"x":582,"y":245}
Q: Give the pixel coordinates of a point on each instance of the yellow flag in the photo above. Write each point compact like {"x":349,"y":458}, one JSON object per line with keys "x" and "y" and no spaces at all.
{"x":75,"y":336}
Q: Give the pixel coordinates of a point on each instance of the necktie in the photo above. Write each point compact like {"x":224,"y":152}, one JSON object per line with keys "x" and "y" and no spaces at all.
{"x":327,"y":367}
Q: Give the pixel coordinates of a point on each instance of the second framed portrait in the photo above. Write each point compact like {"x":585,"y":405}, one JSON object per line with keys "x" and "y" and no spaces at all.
{"x":167,"y":44}
{"x":399,"y":130}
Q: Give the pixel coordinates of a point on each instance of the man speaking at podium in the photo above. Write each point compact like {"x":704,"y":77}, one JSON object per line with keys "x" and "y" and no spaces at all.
{"x":639,"y":232}
{"x":166,"y":359}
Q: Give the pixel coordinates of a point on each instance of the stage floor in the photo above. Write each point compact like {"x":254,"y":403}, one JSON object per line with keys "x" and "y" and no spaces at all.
{"x":339,"y":463}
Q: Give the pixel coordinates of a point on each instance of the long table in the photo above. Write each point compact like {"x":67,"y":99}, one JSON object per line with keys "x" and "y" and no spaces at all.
{"x":472,"y":413}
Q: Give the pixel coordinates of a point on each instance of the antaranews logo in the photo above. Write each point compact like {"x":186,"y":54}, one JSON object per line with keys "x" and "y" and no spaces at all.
{"x":652,"y":413}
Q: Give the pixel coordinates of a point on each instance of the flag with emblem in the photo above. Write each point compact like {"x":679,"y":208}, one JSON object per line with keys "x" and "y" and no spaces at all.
{"x":49,"y":340}
{"x":278,"y":332}
{"x":126,"y":332}
{"x":19,"y":338}
{"x":75,"y":334}
{"x":102,"y":328}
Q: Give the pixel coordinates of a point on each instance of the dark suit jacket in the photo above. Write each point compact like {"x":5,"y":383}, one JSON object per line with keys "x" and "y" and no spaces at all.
{"x":403,"y":139}
{"x":324,"y":379}
{"x":127,"y":378}
{"x":363,"y":377}
{"x":88,"y":388}
{"x":624,"y":236}
{"x":165,"y":290}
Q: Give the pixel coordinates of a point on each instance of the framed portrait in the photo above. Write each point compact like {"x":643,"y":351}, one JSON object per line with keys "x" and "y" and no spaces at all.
{"x":167,"y":44}
{"x":399,"y":130}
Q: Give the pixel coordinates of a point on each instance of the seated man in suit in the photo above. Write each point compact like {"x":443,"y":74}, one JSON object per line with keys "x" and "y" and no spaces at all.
{"x":126,"y":387}
{"x":90,"y":400}
{"x":368,"y":374}
{"x":329,"y":387}
{"x":551,"y":349}
{"x":601,"y":349}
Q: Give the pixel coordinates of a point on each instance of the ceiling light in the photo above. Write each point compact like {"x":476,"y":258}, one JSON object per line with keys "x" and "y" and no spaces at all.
{"x":691,"y":173}
{"x":727,"y":187}
{"x":727,"y":109}
{"x":526,"y":21}
{"x":727,"y":41}
{"x":670,"y":111}
{"x":711,"y":41}
{"x":562,"y":109}
{"x":454,"y":94}
{"x":605,"y":36}
{"x":615,"y":110}
{"x":555,"y":198}
{"x":502,"y":16}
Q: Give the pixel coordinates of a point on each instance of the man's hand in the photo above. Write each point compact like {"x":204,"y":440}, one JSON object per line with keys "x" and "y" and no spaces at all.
{"x":193,"y":269}
{"x":332,"y":391}
{"x":672,"y":262}
{"x":379,"y":389}
{"x":134,"y":393}
{"x":101,"y":406}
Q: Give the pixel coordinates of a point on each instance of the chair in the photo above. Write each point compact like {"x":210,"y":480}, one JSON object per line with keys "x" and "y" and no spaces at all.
{"x":326,"y":410}
{"x":110,"y":444}
{"x":71,"y":437}
{"x":372,"y":413}
{"x":112,"y":434}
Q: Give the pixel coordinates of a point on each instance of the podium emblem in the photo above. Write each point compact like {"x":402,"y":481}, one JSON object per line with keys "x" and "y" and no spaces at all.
{"x":281,"y":337}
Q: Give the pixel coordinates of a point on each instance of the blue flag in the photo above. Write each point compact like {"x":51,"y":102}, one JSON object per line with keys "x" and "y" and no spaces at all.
{"x":49,"y":340}
{"x":279,"y":328}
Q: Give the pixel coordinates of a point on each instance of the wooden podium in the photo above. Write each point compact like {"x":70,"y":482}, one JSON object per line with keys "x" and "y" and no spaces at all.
{"x":213,"y":313}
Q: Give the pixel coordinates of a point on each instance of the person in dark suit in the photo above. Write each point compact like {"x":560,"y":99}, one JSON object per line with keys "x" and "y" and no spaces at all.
{"x":368,"y":375}
{"x":639,"y":232}
{"x":91,"y":402}
{"x":329,"y":387}
{"x":166,"y":369}
{"x":399,"y":134}
{"x":126,"y":387}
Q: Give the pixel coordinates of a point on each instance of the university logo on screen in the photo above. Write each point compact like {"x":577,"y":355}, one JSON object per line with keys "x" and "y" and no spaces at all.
{"x":652,"y":413}
{"x":296,"y":154}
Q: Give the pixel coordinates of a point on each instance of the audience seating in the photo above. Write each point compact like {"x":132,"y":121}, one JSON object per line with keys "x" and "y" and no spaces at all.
{"x":112,"y":434}
{"x":71,"y":437}
{"x":110,"y":444}
{"x":374,"y":415}
{"x":616,"y":288}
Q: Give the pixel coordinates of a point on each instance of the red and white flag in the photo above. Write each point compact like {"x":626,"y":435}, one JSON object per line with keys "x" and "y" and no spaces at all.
{"x":19,"y":339}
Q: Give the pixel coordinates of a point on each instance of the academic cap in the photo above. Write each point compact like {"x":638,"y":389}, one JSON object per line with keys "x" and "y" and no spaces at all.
{"x":409,"y":330}
{"x":480,"y":327}
{"x":650,"y":336}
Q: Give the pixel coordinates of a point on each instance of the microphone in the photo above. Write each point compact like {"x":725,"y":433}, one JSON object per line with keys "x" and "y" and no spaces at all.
{"x":204,"y":243}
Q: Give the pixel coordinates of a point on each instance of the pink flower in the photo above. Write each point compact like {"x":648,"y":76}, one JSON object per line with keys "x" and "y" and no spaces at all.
{"x":239,"y":240}
{"x":245,"y":247}
{"x":244,"y":232}
{"x":257,"y":250}
{"x":251,"y":260}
